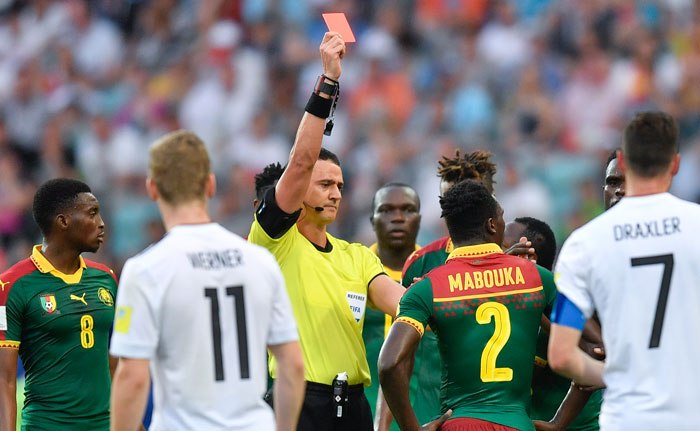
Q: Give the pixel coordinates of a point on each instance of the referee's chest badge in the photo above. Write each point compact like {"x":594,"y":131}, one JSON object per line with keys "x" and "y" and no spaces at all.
{"x":48,"y":303}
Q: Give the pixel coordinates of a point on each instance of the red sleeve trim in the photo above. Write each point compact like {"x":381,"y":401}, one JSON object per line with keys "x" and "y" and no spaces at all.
{"x":9,"y":277}
{"x":101,"y":267}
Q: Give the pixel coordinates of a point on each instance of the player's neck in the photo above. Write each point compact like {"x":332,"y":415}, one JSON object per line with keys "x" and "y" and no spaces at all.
{"x":316,"y":233}
{"x":638,"y":186}
{"x":473,"y":241}
{"x":393,"y":257}
{"x":63,"y":258}
{"x":187,"y":213}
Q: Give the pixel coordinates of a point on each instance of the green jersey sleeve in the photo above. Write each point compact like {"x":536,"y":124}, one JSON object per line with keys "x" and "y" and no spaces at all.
{"x":416,"y":305}
{"x":549,"y":287}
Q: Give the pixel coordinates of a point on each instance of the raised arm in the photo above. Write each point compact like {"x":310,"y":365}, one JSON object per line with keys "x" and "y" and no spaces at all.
{"x":291,"y":188}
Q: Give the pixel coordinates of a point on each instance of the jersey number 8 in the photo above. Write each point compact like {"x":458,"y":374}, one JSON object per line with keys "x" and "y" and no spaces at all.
{"x":87,"y":337}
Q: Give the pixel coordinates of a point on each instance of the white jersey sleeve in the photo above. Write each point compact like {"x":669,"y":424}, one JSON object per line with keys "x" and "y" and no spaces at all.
{"x":136,"y":331}
{"x":572,"y":272}
{"x":283,"y":327}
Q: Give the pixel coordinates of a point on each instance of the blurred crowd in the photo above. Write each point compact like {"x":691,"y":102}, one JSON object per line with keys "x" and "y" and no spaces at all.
{"x":545,"y":85}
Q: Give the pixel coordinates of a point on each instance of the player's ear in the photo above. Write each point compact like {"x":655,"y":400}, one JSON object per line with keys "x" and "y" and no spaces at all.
{"x":621,"y":162}
{"x":675,"y":164}
{"x":151,"y":189}
{"x":211,"y":185}
{"x":491,"y":226}
{"x":62,"y":221}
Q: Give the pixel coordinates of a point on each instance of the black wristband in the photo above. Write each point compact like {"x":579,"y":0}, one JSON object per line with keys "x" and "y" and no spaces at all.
{"x":319,"y":106}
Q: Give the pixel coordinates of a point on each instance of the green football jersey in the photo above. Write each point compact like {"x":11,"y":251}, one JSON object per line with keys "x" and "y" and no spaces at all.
{"x":60,"y":323}
{"x":485,"y":309}
{"x":377,"y":325}
{"x":549,"y":390}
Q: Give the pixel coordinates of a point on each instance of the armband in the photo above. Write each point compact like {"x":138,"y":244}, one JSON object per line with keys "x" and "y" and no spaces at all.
{"x":566,"y":313}
{"x":319,"y":106}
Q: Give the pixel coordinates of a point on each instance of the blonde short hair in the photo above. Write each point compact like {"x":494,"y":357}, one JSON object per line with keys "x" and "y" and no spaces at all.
{"x":179,"y":166}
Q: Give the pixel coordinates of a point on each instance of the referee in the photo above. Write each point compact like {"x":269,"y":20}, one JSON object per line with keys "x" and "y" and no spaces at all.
{"x":330,"y":281}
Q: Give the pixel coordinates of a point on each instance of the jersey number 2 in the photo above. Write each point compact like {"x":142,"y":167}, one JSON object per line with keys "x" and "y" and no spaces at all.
{"x":237,"y":293}
{"x":501,"y":333}
{"x":667,"y":261}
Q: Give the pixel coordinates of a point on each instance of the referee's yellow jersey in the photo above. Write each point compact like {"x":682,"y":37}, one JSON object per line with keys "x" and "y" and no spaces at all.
{"x":329,"y":295}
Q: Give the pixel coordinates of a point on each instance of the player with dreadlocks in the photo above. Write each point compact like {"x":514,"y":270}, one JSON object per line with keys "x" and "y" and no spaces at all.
{"x":472,"y":166}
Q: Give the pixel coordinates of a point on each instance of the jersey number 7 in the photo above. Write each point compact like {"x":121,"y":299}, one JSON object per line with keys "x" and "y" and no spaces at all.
{"x":667,"y":261}
{"x":237,"y":293}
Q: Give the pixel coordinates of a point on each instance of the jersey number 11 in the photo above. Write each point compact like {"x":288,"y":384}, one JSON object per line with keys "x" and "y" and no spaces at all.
{"x":239,"y":309}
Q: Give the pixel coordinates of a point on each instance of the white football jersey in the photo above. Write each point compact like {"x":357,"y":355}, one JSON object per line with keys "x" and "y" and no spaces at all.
{"x":638,"y":266}
{"x":202,"y":305}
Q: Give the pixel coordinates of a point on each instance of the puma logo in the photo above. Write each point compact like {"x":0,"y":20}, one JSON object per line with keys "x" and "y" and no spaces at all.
{"x":78,"y":298}
{"x":2,"y":284}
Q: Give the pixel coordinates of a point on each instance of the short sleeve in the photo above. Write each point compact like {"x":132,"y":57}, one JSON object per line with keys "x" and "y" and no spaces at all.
{"x":412,"y":269}
{"x":283,"y":326}
{"x":136,"y":331}
{"x":279,"y":247}
{"x":572,"y":273}
{"x":416,"y":305}
{"x":550,"y":289}
{"x":371,"y":266}
{"x":11,"y":317}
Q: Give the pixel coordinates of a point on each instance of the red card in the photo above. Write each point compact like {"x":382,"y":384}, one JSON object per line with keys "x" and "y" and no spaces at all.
{"x":339,"y":23}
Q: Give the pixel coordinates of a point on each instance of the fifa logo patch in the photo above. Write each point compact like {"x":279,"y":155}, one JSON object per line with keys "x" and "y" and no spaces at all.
{"x":105,"y":296}
{"x":48,"y":303}
{"x":122,"y":320}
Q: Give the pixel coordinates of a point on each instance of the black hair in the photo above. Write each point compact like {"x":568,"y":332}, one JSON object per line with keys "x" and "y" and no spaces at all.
{"x":392,"y":184}
{"x":472,"y":166}
{"x":649,"y":143}
{"x":328,"y":155}
{"x":466,"y":207}
{"x":267,"y":178}
{"x":54,"y":197}
{"x":612,"y":156}
{"x":542,"y":238}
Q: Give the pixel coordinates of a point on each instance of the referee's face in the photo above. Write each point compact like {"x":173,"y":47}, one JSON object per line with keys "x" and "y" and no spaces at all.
{"x":325,"y":191}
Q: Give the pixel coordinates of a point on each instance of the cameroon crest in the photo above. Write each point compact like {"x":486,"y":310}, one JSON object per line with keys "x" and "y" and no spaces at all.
{"x":48,"y":303}
{"x":105,"y":296}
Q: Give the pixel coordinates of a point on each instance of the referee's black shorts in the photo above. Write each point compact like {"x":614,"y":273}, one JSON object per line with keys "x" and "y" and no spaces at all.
{"x":318,"y":412}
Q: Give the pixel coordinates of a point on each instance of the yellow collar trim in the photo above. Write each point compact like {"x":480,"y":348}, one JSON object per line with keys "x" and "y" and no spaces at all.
{"x":392,"y":273}
{"x":44,"y":266}
{"x":450,"y":246}
{"x":475,"y":251}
